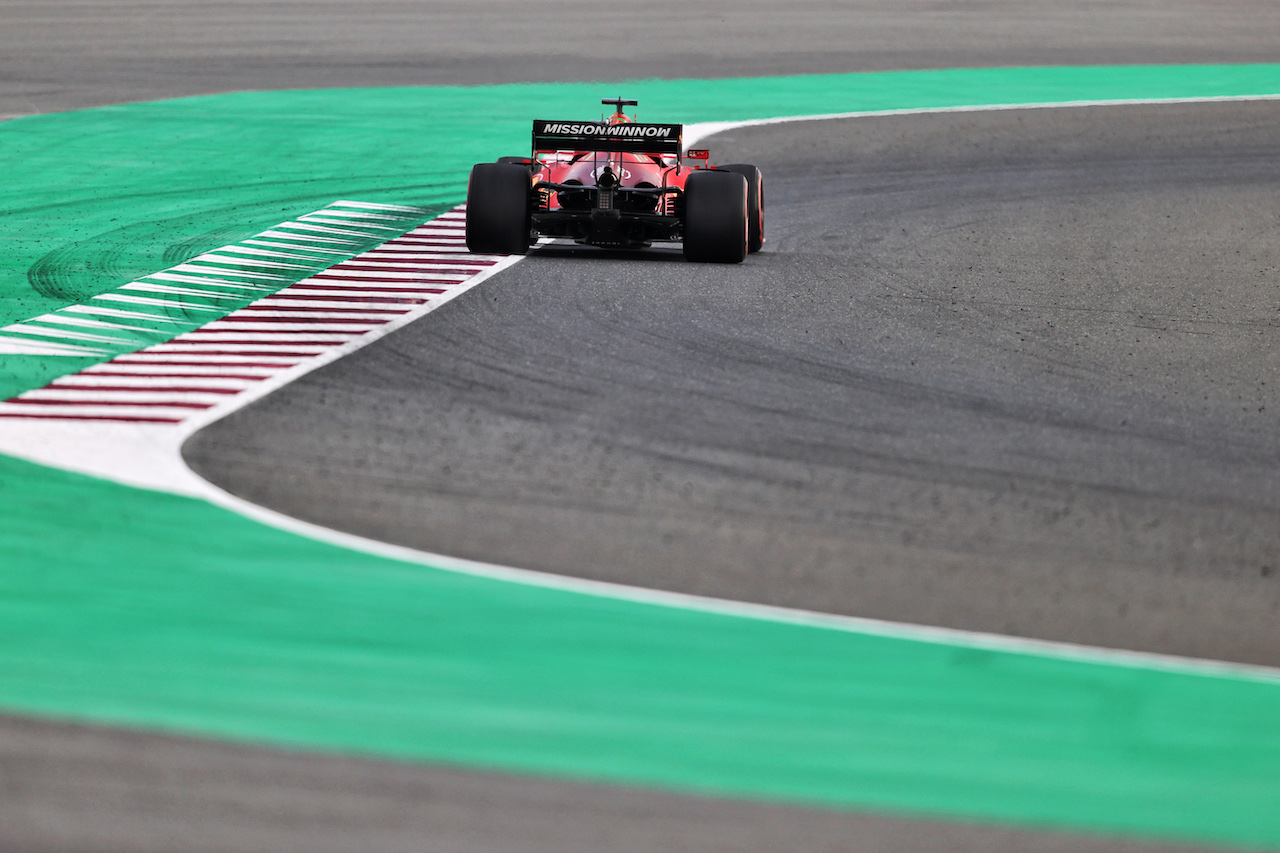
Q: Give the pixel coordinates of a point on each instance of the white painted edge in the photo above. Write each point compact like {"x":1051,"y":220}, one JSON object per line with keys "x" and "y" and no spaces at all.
{"x":159,"y":466}
{"x":932,"y":635}
{"x":694,"y":133}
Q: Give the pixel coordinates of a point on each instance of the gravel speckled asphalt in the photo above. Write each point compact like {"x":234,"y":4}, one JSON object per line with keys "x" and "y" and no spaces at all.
{"x":1012,"y":372}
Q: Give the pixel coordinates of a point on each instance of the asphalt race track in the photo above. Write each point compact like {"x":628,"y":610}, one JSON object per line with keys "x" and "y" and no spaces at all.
{"x":957,"y":388}
{"x":1009,"y":371}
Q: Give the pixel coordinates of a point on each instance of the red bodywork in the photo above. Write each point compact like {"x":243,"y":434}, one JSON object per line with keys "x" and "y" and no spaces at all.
{"x":628,"y":198}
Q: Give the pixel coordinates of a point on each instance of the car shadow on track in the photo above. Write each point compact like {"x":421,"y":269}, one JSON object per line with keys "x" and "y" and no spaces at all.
{"x":667,"y":253}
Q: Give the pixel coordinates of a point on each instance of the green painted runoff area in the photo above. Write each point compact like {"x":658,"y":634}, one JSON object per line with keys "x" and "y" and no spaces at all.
{"x":138,"y":608}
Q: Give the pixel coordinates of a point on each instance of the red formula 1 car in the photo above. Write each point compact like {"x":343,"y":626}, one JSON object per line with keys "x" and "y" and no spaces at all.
{"x":616,"y":184}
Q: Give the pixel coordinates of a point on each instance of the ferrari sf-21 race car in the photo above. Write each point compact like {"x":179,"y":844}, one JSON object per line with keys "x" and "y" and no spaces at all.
{"x":618,"y":184}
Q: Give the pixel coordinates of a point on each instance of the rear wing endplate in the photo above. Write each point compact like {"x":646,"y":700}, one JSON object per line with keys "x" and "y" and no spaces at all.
{"x":595,"y":136}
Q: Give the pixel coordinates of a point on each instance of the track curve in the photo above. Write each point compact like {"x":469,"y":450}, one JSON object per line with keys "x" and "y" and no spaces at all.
{"x":84,"y":788}
{"x":1008,"y":372}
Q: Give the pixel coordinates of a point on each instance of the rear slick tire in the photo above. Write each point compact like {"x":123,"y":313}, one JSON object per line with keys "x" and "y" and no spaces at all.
{"x":755,"y":203}
{"x":498,"y":209}
{"x":715,"y":217}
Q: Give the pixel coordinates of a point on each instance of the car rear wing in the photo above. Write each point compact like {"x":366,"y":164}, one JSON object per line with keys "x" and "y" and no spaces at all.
{"x":631,"y":137}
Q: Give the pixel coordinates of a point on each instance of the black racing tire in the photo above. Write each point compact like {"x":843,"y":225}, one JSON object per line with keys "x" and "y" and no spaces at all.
{"x":715,"y":217}
{"x":755,"y":203}
{"x":498,"y":209}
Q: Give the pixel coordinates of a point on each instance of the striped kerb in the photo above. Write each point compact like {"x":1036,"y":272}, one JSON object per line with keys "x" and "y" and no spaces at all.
{"x":227,"y":353}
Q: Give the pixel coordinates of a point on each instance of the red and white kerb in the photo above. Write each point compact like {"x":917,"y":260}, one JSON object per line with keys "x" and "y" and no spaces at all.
{"x":204,"y":369}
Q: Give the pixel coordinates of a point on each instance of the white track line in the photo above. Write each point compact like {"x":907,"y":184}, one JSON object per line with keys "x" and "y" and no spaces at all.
{"x":150,"y":457}
{"x":724,"y":607}
{"x":696,"y":132}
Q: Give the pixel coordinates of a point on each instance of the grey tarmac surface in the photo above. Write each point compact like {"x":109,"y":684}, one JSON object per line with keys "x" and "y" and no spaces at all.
{"x":119,"y":791}
{"x":1013,"y":372}
{"x":977,"y":416}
